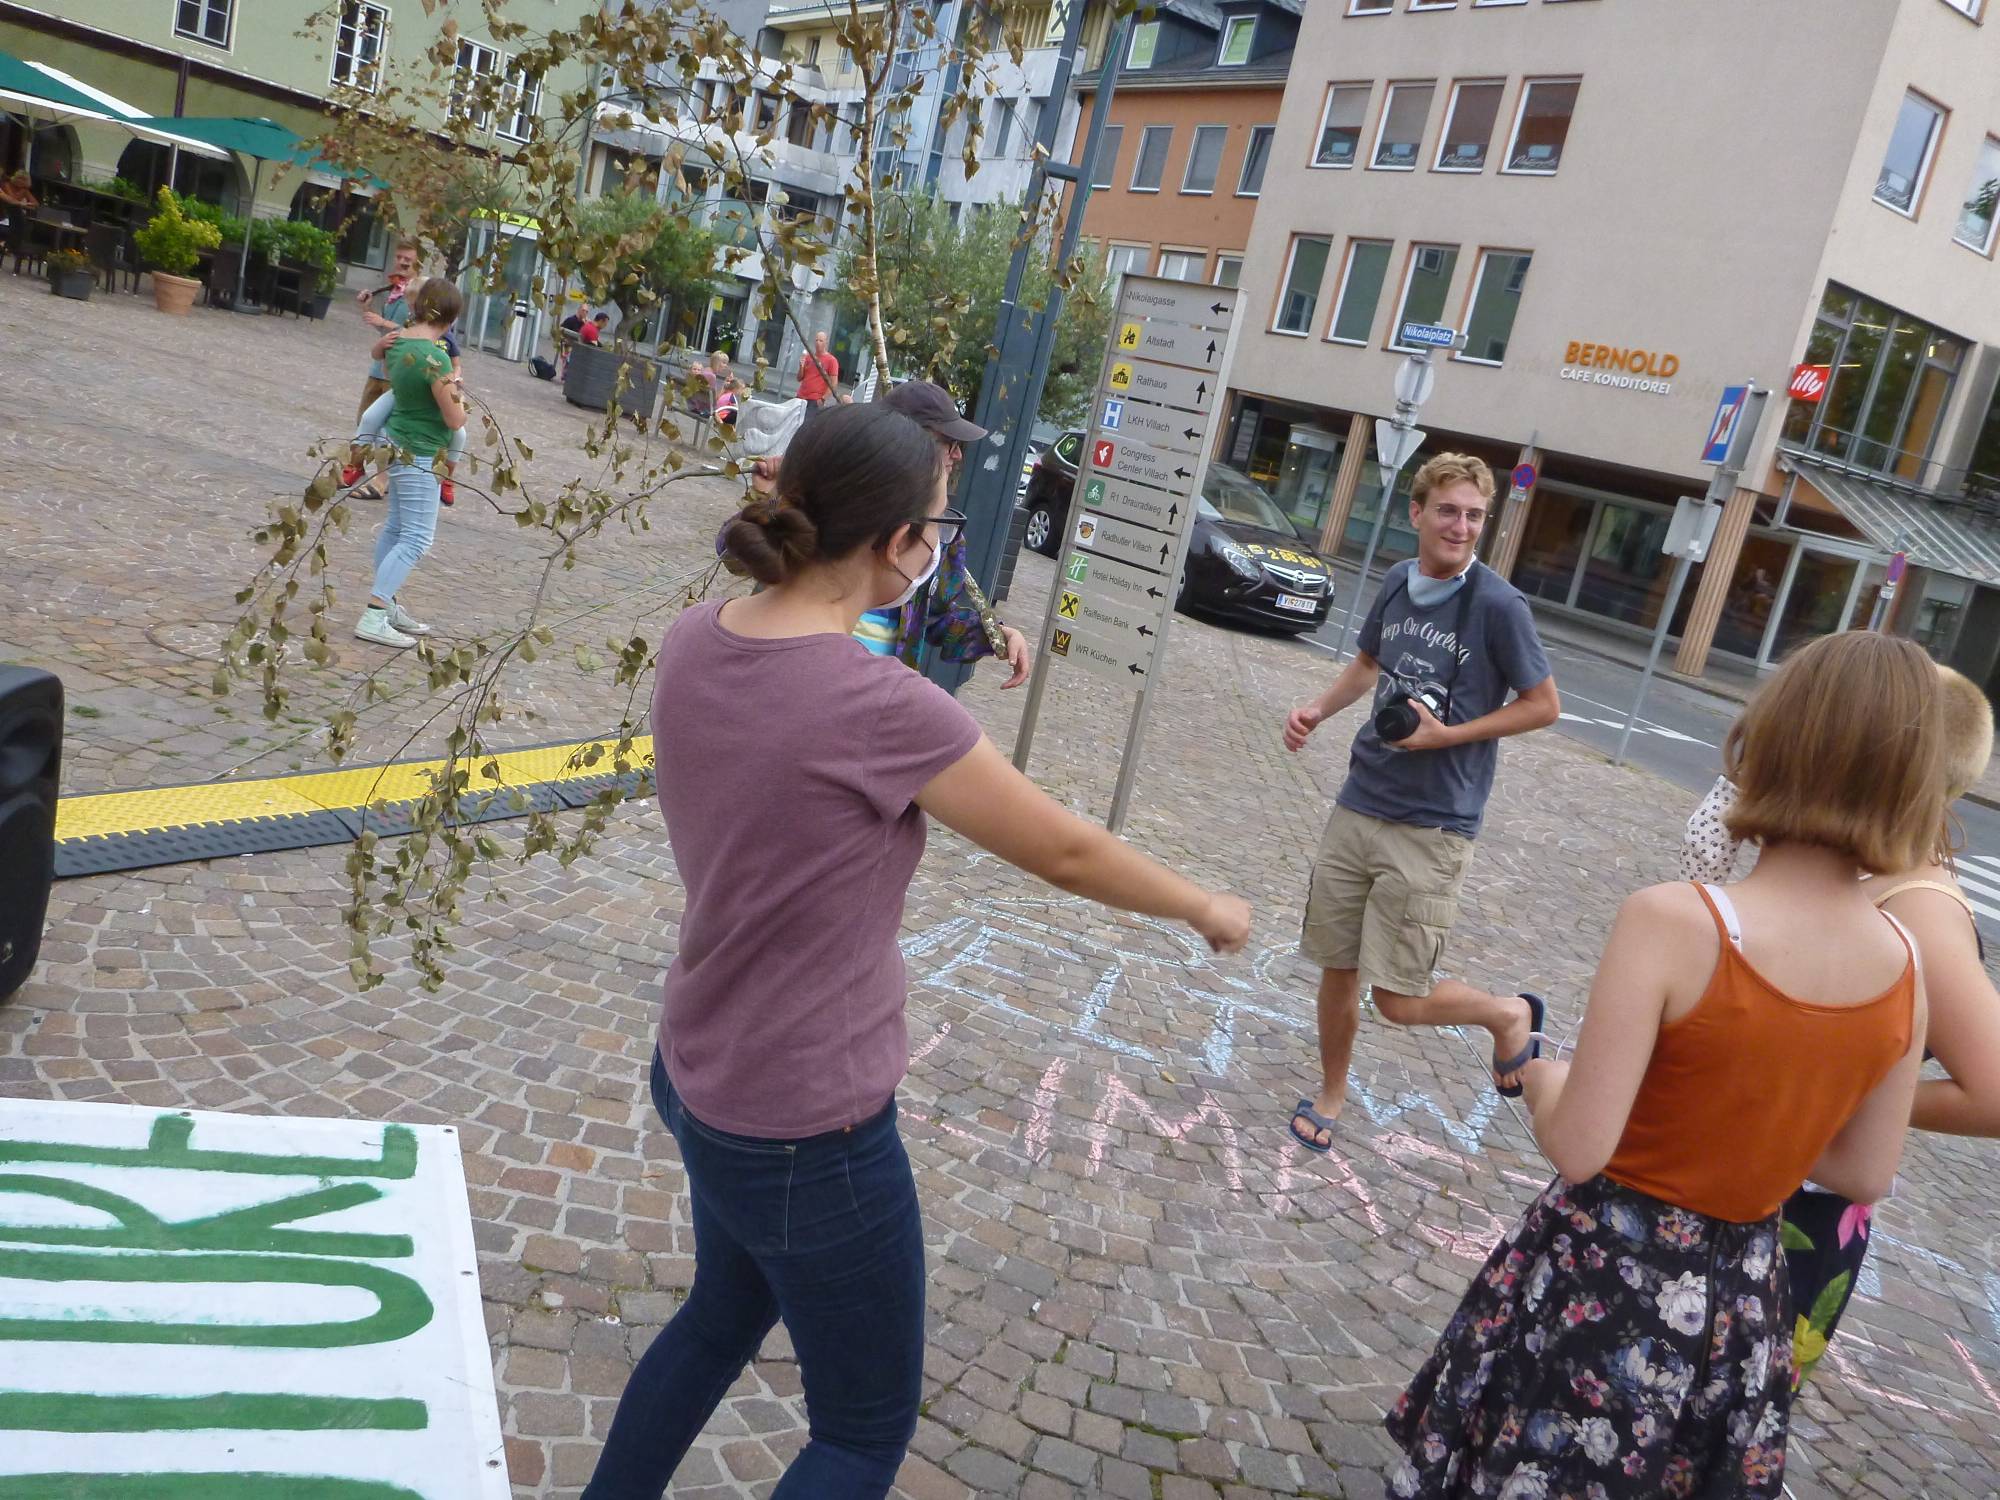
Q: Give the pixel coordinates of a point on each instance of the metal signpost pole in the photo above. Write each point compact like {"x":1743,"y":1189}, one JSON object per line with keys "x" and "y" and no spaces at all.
{"x":1396,"y":438}
{"x":1132,"y":511}
{"x":1886,"y":595}
{"x":1687,"y":540}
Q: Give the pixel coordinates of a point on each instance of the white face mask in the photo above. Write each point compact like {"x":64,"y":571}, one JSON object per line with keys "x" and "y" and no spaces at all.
{"x":930,"y":568}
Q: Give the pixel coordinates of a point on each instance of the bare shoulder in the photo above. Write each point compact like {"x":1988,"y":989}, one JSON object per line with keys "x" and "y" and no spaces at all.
{"x":1673,"y":910}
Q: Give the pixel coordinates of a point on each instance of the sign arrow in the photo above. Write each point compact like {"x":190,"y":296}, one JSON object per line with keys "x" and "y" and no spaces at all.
{"x":1180,"y":473}
{"x":1164,"y":551}
{"x":1145,"y":630}
{"x":1190,"y":433}
{"x":1154,"y":594}
{"x":1136,"y":670}
{"x":1220,"y":307}
{"x":1173,"y":514}
{"x":1211,"y":351}
{"x":1201,"y":391}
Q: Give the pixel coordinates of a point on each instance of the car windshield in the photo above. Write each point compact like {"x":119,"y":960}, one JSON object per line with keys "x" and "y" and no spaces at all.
{"x":1232,"y":495}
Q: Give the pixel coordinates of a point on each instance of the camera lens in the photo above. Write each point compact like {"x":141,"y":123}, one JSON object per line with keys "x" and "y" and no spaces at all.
{"x":1396,"y":721}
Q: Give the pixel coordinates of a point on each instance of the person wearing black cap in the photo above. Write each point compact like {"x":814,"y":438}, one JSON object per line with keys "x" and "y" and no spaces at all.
{"x":946,"y":612}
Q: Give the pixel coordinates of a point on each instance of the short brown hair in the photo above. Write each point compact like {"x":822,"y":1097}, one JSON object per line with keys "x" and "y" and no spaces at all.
{"x":437,"y":301}
{"x":1450,"y":468}
{"x":1843,"y":748}
{"x":1968,"y":732}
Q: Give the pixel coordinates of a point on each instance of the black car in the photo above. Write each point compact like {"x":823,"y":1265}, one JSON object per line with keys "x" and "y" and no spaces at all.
{"x":1246,"y":560}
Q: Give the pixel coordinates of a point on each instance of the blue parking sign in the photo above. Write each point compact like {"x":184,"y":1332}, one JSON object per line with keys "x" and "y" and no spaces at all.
{"x":1722,"y":429}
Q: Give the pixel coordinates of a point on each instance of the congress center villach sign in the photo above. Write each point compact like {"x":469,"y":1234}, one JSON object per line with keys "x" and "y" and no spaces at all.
{"x":1626,"y":369}
{"x":202,"y":1306}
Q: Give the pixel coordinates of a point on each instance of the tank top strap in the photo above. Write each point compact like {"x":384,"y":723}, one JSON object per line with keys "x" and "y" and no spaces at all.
{"x":1941,"y":887}
{"x":1910,"y":943}
{"x":1724,"y":911}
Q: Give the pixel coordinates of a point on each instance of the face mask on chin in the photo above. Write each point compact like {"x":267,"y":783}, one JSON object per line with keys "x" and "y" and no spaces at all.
{"x":930,"y":569}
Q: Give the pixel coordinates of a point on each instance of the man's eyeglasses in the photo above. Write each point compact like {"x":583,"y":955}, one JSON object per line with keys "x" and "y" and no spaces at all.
{"x":950,"y":525}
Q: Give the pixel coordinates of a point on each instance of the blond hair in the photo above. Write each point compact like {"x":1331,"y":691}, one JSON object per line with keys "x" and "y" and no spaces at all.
{"x":1968,"y":732}
{"x":1451,"y":468}
{"x":1844,"y":748}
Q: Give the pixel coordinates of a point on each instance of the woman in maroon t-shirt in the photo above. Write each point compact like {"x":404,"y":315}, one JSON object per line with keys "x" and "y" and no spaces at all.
{"x":795,"y":771}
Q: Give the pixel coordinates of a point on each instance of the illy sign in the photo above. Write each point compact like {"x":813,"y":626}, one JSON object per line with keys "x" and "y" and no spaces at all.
{"x":1809,"y":382}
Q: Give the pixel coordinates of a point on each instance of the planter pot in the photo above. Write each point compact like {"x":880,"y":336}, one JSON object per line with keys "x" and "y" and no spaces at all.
{"x":174,"y":294}
{"x":73,"y":284}
{"x":318,"y":305}
{"x":592,"y":379}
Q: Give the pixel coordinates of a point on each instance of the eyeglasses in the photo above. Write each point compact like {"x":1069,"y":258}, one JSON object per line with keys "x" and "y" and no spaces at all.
{"x":950,"y":525}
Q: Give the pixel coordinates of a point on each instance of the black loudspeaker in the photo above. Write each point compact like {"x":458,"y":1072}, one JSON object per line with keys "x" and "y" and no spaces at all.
{"x":31,"y":721}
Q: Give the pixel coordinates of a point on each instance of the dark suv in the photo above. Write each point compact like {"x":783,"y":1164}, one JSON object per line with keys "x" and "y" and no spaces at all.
{"x":1246,"y":560}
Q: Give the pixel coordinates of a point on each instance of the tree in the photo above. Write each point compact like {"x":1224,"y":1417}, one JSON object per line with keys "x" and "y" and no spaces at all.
{"x":636,"y":253}
{"x":941,"y":284}
{"x":421,"y":133}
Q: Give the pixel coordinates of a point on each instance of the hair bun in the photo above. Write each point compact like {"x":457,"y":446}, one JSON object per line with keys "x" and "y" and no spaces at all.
{"x":772,"y":538}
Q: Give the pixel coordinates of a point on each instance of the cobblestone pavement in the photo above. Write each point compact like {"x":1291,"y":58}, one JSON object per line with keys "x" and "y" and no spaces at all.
{"x":1138,"y":1287}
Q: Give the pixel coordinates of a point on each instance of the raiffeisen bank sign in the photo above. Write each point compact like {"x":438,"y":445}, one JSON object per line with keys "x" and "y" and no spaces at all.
{"x":1648,"y":370}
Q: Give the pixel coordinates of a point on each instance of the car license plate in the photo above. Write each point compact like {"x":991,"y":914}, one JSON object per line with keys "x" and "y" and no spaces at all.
{"x":1297,"y":605}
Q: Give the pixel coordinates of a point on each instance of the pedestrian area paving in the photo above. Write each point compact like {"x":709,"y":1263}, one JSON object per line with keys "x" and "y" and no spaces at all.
{"x":1139,"y":1287}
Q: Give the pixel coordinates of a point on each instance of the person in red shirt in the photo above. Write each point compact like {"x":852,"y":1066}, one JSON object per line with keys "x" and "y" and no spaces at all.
{"x":819,"y":373}
{"x":593,"y":331}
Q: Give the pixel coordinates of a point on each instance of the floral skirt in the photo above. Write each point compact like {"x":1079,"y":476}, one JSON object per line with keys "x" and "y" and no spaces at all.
{"x":1826,"y":1241}
{"x":1613,"y":1345}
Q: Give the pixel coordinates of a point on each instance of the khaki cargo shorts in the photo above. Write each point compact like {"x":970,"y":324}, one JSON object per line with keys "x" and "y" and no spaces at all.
{"x":1383,"y":900}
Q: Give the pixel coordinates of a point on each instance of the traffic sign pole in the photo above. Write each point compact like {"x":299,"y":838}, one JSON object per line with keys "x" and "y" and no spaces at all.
{"x":1687,"y":542}
{"x":1139,"y":475}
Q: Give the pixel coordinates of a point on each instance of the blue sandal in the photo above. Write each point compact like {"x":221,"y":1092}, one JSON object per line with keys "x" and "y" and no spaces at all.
{"x":1537,"y":1014}
{"x":1318,"y":1121}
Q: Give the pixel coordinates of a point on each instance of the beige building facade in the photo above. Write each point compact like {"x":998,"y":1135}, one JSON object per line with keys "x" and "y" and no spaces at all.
{"x":1627,"y":209}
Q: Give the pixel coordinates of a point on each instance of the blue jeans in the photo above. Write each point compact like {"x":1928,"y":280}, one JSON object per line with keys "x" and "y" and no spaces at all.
{"x":823,"y":1232}
{"x":410,"y":527}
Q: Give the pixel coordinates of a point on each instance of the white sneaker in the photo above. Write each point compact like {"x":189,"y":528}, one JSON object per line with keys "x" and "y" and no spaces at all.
{"x":374,"y":626}
{"x":399,"y":619}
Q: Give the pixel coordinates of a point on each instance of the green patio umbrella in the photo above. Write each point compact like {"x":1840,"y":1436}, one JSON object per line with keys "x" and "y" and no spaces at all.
{"x":260,"y":140}
{"x":25,"y":87}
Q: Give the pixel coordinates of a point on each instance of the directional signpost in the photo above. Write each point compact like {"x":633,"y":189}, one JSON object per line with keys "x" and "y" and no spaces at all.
{"x":1134,"y":503}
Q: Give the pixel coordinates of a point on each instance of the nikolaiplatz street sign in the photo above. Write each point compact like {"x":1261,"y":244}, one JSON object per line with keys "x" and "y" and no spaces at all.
{"x":1142,"y":466}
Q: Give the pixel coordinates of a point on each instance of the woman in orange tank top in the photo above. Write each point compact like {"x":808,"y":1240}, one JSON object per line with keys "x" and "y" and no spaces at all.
{"x":1631,"y":1336}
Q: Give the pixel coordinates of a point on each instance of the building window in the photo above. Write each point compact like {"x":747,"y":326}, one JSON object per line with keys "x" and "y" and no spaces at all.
{"x":1891,"y":380}
{"x":1433,"y":4}
{"x":357,"y":44}
{"x":1182,"y":265}
{"x":1542,"y":125}
{"x":1000,"y":134}
{"x":1256,"y":157}
{"x":812,"y":51}
{"x":203,"y":20}
{"x":469,"y":87}
{"x":1340,"y":125}
{"x":1482,"y":4}
{"x":1402,"y":130}
{"x":1204,"y":158}
{"x":1370,"y":7}
{"x":1975,"y":218}
{"x":1302,"y":278}
{"x":1107,"y":156}
{"x":1911,"y":146}
{"x":1145,"y":42}
{"x":1121,"y":261}
{"x":1360,"y":291}
{"x":520,"y":102}
{"x":1968,"y":7}
{"x":1496,"y":298}
{"x":1468,"y":126}
{"x":1152,"y":162}
{"x":1228,"y":270}
{"x":1426,"y":284}
{"x":1237,"y":39}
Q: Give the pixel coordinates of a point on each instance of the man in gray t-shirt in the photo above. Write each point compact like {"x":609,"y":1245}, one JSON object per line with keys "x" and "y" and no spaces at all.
{"x":1444,"y":646}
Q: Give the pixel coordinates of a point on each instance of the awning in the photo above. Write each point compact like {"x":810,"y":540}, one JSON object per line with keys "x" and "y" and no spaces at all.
{"x":126,"y":116}
{"x":323,"y":173}
{"x":261,"y":140}
{"x":1936,"y":535}
{"x":21,"y":85}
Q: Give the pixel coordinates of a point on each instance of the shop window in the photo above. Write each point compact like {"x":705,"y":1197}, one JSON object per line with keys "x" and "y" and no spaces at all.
{"x":1625,"y":574}
{"x":1182,"y":265}
{"x":1256,"y":157}
{"x":1204,"y":158}
{"x":1496,"y":298}
{"x":1238,"y":38}
{"x":1107,"y":156}
{"x":1985,"y":463}
{"x":357,"y":44}
{"x":1228,"y":270}
{"x":1303,"y":276}
{"x":1552,"y":545}
{"x":203,"y":21}
{"x":1154,"y":142}
{"x":1398,"y":540}
{"x":1542,"y":125}
{"x":1402,"y":130}
{"x":1908,"y":161}
{"x":1752,"y":597}
{"x":1891,"y":380}
{"x":1360,"y":290}
{"x":1975,"y":216}
{"x":1468,"y":126}
{"x":1340,"y":125}
{"x":1145,"y":42}
{"x":1426,"y":284}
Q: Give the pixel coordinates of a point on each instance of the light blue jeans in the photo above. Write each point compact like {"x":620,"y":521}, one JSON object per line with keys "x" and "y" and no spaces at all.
{"x":410,"y":527}
{"x":373,"y":420}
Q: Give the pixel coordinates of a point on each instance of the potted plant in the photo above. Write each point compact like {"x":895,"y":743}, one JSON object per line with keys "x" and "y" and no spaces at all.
{"x":71,"y":274}
{"x":306,"y":244}
{"x":660,"y":255}
{"x":172,"y":243}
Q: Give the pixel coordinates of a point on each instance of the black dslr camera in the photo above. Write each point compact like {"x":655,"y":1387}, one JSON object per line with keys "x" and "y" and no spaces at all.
{"x":1397,"y":719}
